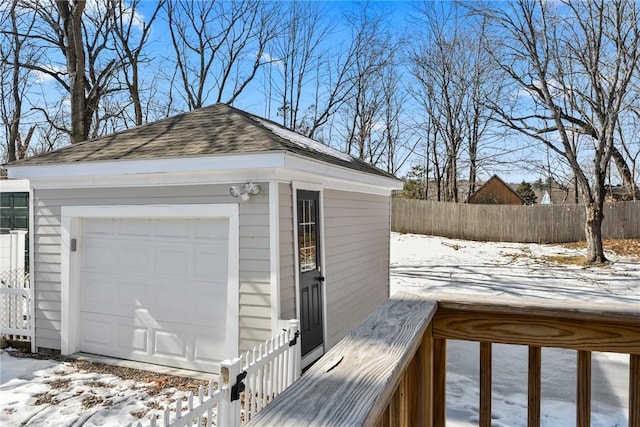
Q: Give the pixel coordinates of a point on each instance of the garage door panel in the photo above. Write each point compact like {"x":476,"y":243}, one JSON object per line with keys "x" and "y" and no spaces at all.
{"x":175,"y":309}
{"x":132,"y":339}
{"x":210,"y":309}
{"x":156,"y":291}
{"x":209,"y":264}
{"x":130,"y":296}
{"x":167,"y":343}
{"x":207,"y":350}
{"x":172,"y":229}
{"x":97,"y":255}
{"x":134,"y":259}
{"x":173,"y":262}
{"x":113,"y":296}
{"x":99,"y":227}
{"x":96,"y":332}
{"x":96,"y":291}
{"x":130,"y":228}
{"x":204,"y":231}
{"x":170,"y":344}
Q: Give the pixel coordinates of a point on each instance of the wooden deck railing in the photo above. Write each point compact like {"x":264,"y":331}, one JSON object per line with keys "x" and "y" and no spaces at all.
{"x":391,"y":370}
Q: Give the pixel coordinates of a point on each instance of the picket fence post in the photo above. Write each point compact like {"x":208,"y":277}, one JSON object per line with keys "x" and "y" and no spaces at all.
{"x":228,"y":411}
{"x":294,"y":353}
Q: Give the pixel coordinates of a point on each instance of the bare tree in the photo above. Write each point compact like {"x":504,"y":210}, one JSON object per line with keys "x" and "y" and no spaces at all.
{"x":337,"y":76}
{"x":131,"y":37}
{"x":454,"y":78}
{"x":630,"y":151}
{"x":15,"y":80}
{"x":296,"y":53}
{"x":484,"y":81}
{"x":400,"y":143}
{"x":219,"y":46}
{"x":64,"y":30}
{"x":571,"y":64}
{"x":364,"y":109}
{"x":627,"y":156}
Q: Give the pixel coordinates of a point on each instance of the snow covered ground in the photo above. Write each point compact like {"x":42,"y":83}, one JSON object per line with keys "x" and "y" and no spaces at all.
{"x":434,"y":264}
{"x":48,"y":393}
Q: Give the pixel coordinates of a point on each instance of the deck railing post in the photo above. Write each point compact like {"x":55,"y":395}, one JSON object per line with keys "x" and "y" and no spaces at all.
{"x":583,"y":393}
{"x":485,"y":384}
{"x":634,"y":390}
{"x":439,"y":382}
{"x":425,"y":379}
{"x":534,"y":386}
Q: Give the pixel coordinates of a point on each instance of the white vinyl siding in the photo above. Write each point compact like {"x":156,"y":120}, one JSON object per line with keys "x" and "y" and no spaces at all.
{"x":254,"y":287}
{"x":356,"y":230}
{"x":287,"y":267}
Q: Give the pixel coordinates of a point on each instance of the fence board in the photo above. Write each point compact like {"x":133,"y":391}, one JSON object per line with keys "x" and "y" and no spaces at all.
{"x":508,"y":223}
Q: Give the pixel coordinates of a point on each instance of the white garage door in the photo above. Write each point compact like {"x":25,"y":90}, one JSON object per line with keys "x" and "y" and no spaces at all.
{"x":155,"y":290}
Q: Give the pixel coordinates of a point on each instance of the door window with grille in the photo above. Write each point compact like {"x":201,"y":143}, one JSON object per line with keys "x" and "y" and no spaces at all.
{"x":307,"y":235}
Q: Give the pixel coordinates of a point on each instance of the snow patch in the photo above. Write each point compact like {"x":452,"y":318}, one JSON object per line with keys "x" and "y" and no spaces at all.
{"x":304,"y":142}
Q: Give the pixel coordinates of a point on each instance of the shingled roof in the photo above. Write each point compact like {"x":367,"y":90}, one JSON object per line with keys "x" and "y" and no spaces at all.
{"x":213,"y":130}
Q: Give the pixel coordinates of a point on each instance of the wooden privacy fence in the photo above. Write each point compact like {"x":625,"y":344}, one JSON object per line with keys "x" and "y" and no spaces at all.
{"x":391,"y":370}
{"x":507,"y":223}
{"x":246,"y":385}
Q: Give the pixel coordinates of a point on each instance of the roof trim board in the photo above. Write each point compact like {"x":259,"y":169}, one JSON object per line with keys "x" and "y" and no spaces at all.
{"x":205,"y":170}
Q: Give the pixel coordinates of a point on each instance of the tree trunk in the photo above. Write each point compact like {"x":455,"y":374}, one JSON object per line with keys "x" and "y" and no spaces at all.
{"x":593,"y":232}
{"x":625,"y":173}
{"x":14,"y":128}
{"x":71,"y":14}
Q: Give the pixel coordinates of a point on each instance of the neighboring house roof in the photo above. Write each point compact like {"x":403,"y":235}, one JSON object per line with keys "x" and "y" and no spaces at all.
{"x":212,"y":130}
{"x":496,"y":191}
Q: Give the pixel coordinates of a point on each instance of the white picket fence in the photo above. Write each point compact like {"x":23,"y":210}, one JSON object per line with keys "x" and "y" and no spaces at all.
{"x":245,"y":385}
{"x":270,"y":369}
{"x":16,"y":298}
{"x":16,"y":295}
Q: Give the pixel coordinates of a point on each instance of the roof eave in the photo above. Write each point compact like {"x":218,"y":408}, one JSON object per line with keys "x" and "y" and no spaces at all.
{"x":107,"y":168}
{"x":281,"y":165}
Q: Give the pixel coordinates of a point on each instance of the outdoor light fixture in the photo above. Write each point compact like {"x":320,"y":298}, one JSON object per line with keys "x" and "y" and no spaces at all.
{"x":245,"y":191}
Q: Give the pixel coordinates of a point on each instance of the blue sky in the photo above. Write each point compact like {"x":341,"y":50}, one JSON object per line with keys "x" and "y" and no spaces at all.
{"x":397,"y":14}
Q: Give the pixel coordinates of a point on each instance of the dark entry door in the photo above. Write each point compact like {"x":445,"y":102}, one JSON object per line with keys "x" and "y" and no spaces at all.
{"x":309,"y":270}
